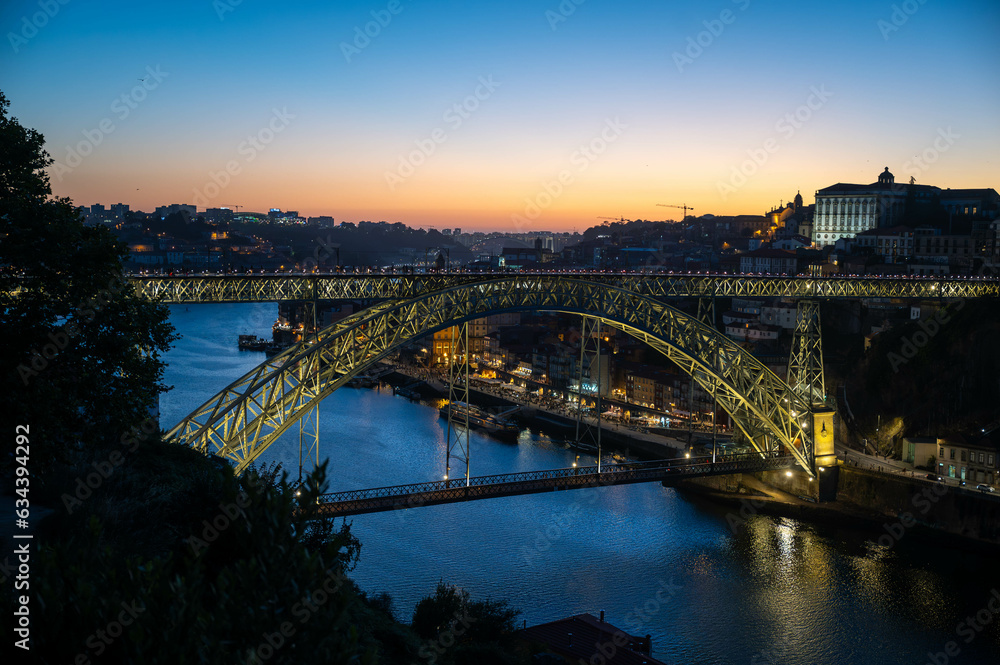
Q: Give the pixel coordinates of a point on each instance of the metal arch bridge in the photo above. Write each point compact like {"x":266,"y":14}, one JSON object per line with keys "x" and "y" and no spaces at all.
{"x":242,"y":420}
{"x":284,"y":287}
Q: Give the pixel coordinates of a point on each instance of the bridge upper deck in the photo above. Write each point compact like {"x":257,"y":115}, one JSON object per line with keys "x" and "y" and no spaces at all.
{"x":206,"y":288}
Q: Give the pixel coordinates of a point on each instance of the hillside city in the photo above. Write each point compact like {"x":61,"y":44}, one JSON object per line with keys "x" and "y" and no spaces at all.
{"x":882,"y":229}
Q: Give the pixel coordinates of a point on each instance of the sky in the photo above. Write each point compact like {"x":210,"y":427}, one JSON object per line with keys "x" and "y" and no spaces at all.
{"x":502,"y":115}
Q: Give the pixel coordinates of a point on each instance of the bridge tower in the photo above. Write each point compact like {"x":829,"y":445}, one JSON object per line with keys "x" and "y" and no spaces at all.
{"x":806,"y":377}
{"x":458,"y":391}
{"x":706,"y":314}
{"x":590,"y":367}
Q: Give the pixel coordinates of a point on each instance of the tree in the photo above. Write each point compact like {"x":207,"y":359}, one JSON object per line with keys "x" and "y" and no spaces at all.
{"x":81,"y":351}
{"x":242,"y":584}
{"x":458,"y":630}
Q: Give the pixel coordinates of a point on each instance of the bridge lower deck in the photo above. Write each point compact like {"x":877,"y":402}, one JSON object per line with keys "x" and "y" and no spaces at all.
{"x":357,"y":502}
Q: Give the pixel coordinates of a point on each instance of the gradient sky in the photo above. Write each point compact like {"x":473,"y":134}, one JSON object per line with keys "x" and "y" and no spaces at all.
{"x":678,"y":131}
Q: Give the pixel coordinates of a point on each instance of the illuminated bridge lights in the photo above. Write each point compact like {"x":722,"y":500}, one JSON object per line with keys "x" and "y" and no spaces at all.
{"x":284,"y":287}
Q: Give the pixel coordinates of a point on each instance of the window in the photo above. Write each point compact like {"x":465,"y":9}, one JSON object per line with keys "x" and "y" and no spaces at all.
{"x":980,"y":458}
{"x":951,"y":453}
{"x":963,"y":455}
{"x":989,"y":459}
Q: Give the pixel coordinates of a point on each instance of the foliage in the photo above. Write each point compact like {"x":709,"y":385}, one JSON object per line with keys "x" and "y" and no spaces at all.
{"x":939,"y":376}
{"x":242,"y":583}
{"x":456,"y":629}
{"x":81,"y":350}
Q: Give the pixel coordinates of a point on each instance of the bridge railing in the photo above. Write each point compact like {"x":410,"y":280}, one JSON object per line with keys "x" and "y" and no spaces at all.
{"x":579,"y":475}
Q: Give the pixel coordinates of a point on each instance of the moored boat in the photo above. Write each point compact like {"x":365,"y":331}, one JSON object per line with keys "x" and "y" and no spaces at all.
{"x":480,"y":419}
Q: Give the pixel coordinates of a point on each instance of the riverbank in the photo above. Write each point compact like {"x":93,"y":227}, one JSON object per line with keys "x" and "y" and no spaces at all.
{"x":888,"y":508}
{"x":546,"y":415}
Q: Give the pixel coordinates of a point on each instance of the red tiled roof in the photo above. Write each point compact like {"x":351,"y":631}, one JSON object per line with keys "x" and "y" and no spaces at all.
{"x":582,"y":636}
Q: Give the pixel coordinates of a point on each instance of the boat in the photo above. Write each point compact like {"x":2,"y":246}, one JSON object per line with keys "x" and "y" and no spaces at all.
{"x":252,"y":343}
{"x":480,"y":419}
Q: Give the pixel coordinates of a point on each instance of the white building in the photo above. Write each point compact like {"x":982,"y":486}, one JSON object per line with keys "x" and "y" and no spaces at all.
{"x":769,"y":261}
{"x":781,"y":315}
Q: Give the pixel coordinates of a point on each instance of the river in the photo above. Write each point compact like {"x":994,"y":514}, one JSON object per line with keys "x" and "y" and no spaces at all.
{"x":657,"y":561}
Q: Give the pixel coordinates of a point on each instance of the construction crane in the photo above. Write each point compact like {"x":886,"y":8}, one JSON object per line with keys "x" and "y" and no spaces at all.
{"x":617,"y":219}
{"x":231,"y":205}
{"x":684,"y":207}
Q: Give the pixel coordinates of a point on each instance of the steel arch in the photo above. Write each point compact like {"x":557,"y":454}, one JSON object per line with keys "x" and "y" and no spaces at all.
{"x":246,"y":417}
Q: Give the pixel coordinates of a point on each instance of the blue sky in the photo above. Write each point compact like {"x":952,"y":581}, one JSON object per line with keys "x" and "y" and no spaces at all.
{"x":692,"y":115}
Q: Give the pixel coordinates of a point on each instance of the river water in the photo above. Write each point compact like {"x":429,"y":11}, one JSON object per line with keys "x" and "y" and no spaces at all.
{"x":657,"y":561}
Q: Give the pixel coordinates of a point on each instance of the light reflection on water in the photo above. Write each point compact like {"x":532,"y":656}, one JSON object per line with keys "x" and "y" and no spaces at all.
{"x":775,"y":591}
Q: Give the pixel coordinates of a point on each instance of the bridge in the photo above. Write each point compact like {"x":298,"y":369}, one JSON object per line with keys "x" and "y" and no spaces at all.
{"x":780,"y":420}
{"x":668,"y":472}
{"x":289,"y":286}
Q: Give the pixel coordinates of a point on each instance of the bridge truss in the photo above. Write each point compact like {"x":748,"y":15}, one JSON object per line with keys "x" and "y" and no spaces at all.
{"x":246,"y":417}
{"x":285,"y":287}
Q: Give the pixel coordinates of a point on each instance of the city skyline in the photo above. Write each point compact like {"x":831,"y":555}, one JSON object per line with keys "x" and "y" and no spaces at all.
{"x":506,"y":117}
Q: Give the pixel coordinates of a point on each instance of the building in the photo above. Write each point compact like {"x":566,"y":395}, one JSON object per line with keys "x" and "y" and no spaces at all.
{"x":586,"y":639}
{"x":972,"y":203}
{"x":769,"y":261}
{"x":187,"y":211}
{"x":920,"y":451}
{"x":781,"y":315}
{"x":478,"y":331}
{"x":752,"y":332}
{"x":955,"y":251}
{"x":968,"y":459}
{"x":893,"y":244}
{"x":844,"y":210}
{"x":325,"y":221}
